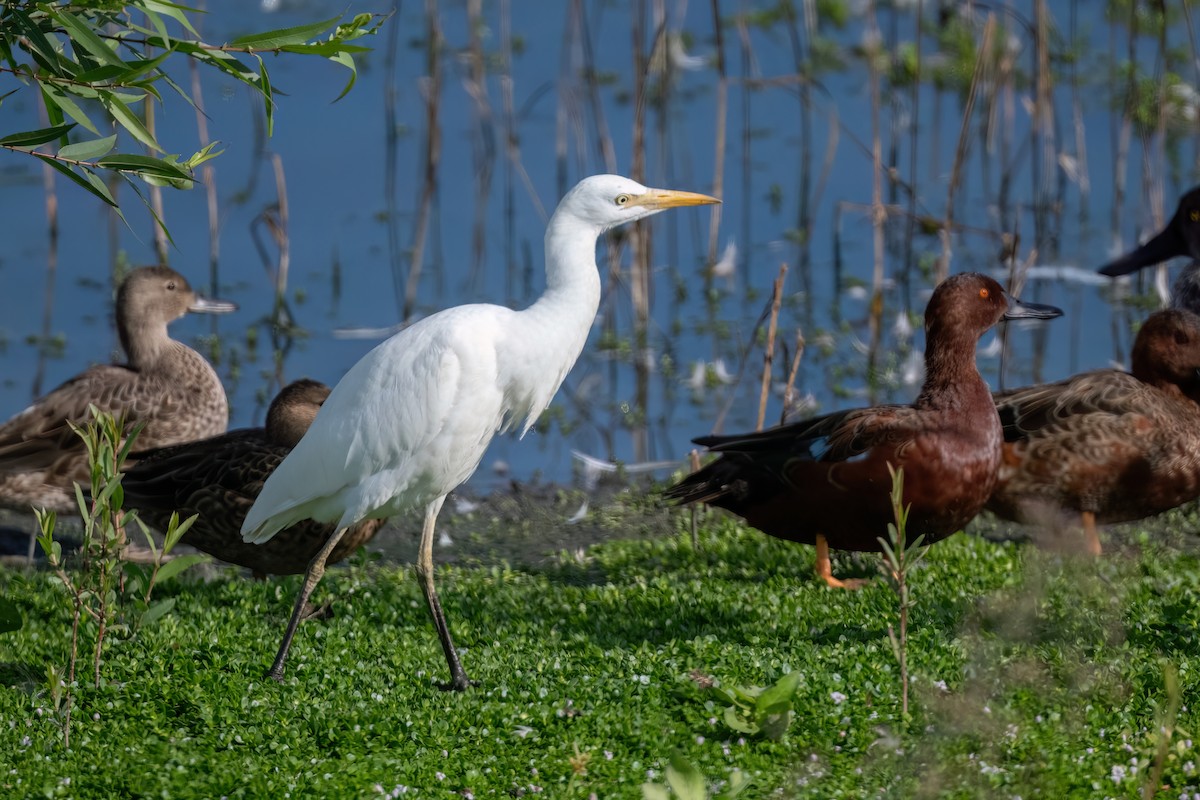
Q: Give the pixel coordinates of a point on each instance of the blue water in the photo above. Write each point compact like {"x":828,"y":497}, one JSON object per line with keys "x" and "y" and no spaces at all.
{"x":333,"y":156}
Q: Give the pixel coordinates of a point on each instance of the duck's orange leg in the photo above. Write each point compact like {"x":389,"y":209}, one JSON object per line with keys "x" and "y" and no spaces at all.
{"x":825,"y":568}
{"x":1090,"y":534}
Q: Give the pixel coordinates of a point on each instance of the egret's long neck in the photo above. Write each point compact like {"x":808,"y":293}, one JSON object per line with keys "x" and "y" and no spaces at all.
{"x":565,"y":311}
{"x":545,"y":339}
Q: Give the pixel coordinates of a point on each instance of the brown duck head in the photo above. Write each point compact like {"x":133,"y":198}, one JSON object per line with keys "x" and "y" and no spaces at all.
{"x":293,"y":410}
{"x":1166,"y":352}
{"x":149,"y":299}
{"x":961,"y":309}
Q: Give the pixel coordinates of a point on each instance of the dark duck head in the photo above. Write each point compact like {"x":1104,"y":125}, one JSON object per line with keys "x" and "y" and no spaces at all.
{"x":1181,"y":237}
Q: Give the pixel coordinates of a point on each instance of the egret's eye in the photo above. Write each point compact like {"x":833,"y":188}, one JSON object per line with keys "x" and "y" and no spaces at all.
{"x":984,"y":293}
{"x":1195,"y":215}
{"x":623,"y":199}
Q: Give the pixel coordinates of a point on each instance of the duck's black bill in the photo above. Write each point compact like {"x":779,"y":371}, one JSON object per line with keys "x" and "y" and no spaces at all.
{"x":1019,"y":310}
{"x":1167,"y":244}
{"x":205,"y":305}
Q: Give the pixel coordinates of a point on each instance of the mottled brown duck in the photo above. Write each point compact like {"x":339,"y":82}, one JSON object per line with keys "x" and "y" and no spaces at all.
{"x":825,"y":481}
{"x":1108,"y":446}
{"x":219,"y":479}
{"x":165,"y":385}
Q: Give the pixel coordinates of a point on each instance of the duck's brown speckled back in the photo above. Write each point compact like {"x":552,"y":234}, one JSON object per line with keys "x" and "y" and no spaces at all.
{"x":219,"y":478}
{"x":1119,"y":446}
{"x":165,"y":385}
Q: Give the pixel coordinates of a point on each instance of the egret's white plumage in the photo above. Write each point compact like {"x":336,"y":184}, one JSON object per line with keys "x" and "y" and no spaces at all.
{"x":411,"y":420}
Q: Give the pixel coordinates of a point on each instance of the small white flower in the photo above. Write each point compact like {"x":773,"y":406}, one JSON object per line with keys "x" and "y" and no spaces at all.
{"x":1118,"y":773}
{"x":441,"y":776}
{"x":837,"y":697}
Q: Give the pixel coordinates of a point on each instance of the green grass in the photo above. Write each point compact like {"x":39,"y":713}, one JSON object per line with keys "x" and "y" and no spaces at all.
{"x":1034,"y":675}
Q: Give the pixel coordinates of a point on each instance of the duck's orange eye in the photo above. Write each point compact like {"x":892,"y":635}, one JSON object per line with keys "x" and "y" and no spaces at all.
{"x":984,"y":293}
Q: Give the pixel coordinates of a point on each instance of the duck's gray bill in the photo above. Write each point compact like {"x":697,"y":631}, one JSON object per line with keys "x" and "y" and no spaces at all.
{"x":1019,"y":310}
{"x":203,"y":305}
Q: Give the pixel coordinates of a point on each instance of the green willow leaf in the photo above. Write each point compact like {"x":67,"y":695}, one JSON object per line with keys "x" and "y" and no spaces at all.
{"x":128,"y":120}
{"x":63,"y":103}
{"x":347,"y":61}
{"x":89,"y":150}
{"x":268,"y":98}
{"x":127,"y":162}
{"x":273,"y":40}
{"x":40,"y":46}
{"x":175,"y":12}
{"x":125,"y":74}
{"x":83,"y":36}
{"x":36,"y":137}
{"x":96,"y":187}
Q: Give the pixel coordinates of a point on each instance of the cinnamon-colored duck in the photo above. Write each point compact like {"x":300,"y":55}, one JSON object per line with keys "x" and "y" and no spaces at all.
{"x":166,"y":386}
{"x":1181,"y":237}
{"x":219,"y":479}
{"x":825,"y":481}
{"x":1108,"y":445}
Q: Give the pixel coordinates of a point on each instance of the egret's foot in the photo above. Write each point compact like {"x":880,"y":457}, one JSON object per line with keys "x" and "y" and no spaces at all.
{"x":460,"y":683}
{"x":323,"y":611}
{"x":275,"y":675}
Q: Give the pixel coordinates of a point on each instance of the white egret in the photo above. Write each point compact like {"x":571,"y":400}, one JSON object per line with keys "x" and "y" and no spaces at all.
{"x":411,"y":420}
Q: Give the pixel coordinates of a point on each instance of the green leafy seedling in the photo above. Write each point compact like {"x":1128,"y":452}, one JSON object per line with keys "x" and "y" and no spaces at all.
{"x":685,"y":781}
{"x":758,"y":710}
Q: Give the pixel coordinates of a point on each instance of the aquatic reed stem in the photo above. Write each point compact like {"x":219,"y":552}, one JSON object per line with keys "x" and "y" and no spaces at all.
{"x":720,"y":123}
{"x":391,"y":146}
{"x":769,"y":353}
{"x":793,"y":371}
{"x":982,"y":55}
{"x":432,"y":91}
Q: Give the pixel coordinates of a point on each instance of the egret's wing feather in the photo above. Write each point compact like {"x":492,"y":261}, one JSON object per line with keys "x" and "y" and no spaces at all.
{"x":384,"y":427}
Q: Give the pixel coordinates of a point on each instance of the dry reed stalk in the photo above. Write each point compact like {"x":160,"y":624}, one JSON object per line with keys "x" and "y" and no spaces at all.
{"x":748,"y":68}
{"x":391,"y":148}
{"x":1081,"y":160}
{"x":878,"y":213}
{"x":769,"y":353}
{"x":50,"y":189}
{"x":793,"y":371}
{"x":281,"y":233}
{"x":1152,"y":168}
{"x":719,"y":130}
{"x":604,"y":141}
{"x":694,"y":462}
{"x":960,"y":151}
{"x":155,"y":191}
{"x":208,"y":177}
{"x":484,"y":143}
{"x":432,"y":91}
{"x":1045,"y":163}
{"x":914,"y":100}
{"x":639,"y":268}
